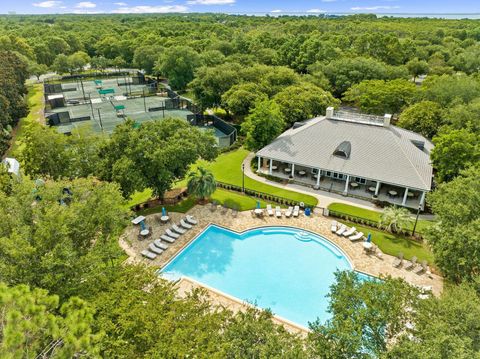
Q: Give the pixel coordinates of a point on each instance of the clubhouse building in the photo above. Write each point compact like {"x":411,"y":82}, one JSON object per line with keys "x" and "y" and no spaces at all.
{"x":353,"y":154}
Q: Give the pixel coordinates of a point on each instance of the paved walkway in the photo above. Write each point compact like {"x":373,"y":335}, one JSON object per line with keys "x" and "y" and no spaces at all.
{"x":324,"y":198}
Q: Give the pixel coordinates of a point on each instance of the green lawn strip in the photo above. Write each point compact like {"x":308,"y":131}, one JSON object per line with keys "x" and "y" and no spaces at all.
{"x":227,"y":168}
{"x":422,"y":224}
{"x":236,"y":200}
{"x":180,"y":207}
{"x":35,"y":105}
{"x":392,"y":244}
{"x":139,"y":197}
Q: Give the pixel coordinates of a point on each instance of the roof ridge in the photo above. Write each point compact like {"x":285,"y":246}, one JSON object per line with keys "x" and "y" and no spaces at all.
{"x":408,"y":157}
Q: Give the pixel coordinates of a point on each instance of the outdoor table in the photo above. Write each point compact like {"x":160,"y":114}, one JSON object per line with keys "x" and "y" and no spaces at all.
{"x":138,"y":220}
{"x":410,"y":194}
{"x":144,"y":232}
{"x":301,"y":173}
{"x":164,"y":219}
{"x":288,"y":170}
{"x":354,"y":184}
{"x":258,"y":211}
{"x":372,"y":189}
{"x":367,"y":245}
{"x":274,"y":168}
{"x":392,"y":193}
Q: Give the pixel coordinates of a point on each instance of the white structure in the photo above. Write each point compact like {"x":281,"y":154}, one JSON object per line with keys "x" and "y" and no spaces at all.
{"x":13,"y":166}
{"x":353,"y":154}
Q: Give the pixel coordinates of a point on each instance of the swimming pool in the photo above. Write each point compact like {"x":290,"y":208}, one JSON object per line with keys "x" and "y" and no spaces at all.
{"x":285,"y":269}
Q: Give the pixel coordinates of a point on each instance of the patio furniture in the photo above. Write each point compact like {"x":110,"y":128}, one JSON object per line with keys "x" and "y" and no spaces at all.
{"x":392,"y":193}
{"x":144,"y":232}
{"x":164,"y":219}
{"x":296,"y":211}
{"x":354,"y":184}
{"x":398,"y":261}
{"x":172,"y":234}
{"x":213,"y":206}
{"x":158,"y":243}
{"x":224,"y":209}
{"x":289,"y":211}
{"x":274,"y":168}
{"x":341,"y":230}
{"x":333,"y":226}
{"x":148,"y":254}
{"x":420,"y":268}
{"x":138,"y":220}
{"x":302,"y":173}
{"x":178,"y":230}
{"x":349,"y":232}
{"x":185,"y":224}
{"x":287,"y":170}
{"x":356,"y":237}
{"x":412,"y":263}
{"x":269,"y":210}
{"x":278,"y":212}
{"x":152,"y":248}
{"x":258,"y":212}
{"x":372,"y":189}
{"x":367,"y":246}
{"x":167,"y":238}
{"x":190,"y":220}
{"x":410,"y":194}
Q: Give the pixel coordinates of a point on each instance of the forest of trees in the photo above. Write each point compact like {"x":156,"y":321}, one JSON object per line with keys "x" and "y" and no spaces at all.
{"x":63,"y":287}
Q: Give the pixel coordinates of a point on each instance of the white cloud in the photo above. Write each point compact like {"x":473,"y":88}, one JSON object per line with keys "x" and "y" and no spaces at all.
{"x":316,"y":11}
{"x":210,"y":2}
{"x":276,"y":11}
{"x":85,"y":5}
{"x":120,"y":3}
{"x":368,"y":8}
{"x":84,"y":11}
{"x":142,"y":9}
{"x":47,"y":4}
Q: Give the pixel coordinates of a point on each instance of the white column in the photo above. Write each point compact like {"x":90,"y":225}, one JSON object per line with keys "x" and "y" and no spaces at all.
{"x":293,"y":170}
{"x":422,"y":199}
{"x":270,"y":167}
{"x":377,"y":189}
{"x":259,"y":164}
{"x":318,"y":177}
{"x":405,"y":195}
{"x":346,"y":184}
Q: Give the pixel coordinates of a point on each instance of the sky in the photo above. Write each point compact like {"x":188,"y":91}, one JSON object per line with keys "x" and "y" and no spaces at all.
{"x":273,"y":7}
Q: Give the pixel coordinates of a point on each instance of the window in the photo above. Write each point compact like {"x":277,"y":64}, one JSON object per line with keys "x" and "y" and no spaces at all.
{"x":360,"y":180}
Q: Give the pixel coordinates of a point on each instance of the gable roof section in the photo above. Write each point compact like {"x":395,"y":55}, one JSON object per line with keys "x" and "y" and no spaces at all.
{"x":379,"y":153}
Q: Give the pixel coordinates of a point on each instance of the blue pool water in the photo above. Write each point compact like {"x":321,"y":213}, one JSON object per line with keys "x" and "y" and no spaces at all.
{"x":285,"y":269}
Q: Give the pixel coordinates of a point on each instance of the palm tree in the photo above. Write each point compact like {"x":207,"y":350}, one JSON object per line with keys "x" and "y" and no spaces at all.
{"x":201,"y":183}
{"x":395,"y":219}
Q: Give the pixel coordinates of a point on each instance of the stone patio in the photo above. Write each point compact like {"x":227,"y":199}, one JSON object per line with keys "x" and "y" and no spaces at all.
{"x":317,"y":223}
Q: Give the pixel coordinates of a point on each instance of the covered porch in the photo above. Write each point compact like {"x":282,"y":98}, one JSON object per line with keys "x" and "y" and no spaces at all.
{"x":345,"y":184}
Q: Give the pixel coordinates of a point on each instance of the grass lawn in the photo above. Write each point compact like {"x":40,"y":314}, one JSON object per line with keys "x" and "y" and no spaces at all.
{"x":35,"y":105}
{"x":228,"y":168}
{"x":393,"y":244}
{"x":422,"y":224}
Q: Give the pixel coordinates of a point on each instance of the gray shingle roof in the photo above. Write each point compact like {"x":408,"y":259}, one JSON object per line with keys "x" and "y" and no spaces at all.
{"x":379,"y":153}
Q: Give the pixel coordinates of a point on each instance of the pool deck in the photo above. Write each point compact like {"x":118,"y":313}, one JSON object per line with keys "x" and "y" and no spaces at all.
{"x":317,"y":223}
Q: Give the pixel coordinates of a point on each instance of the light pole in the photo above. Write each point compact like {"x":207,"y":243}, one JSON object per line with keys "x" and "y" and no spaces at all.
{"x":243,"y":177}
{"x":416,"y":220}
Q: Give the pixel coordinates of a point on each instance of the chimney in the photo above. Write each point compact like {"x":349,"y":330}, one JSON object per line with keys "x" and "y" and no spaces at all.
{"x":329,"y":112}
{"x":386,"y":120}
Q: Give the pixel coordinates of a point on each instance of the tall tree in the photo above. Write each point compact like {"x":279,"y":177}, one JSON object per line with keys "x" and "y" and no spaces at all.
{"x":201,"y":183}
{"x":417,"y":67}
{"x":178,"y":64}
{"x":264,"y":123}
{"x":424,"y":117}
{"x":395,"y":219}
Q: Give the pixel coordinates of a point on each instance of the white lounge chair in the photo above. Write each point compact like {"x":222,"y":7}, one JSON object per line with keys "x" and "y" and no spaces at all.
{"x":356,"y":236}
{"x":152,"y":248}
{"x":411,"y":264}
{"x":158,"y":243}
{"x":167,"y":238}
{"x":278,"y":212}
{"x":334,"y":226}
{"x":289,"y":211}
{"x":171,"y":234}
{"x":296,"y":211}
{"x":269,"y":210}
{"x":178,"y":230}
{"x":341,"y":230}
{"x":185,"y":224}
{"x":349,"y":232}
{"x":398,"y":261}
{"x":148,"y":254}
{"x":190,"y":220}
